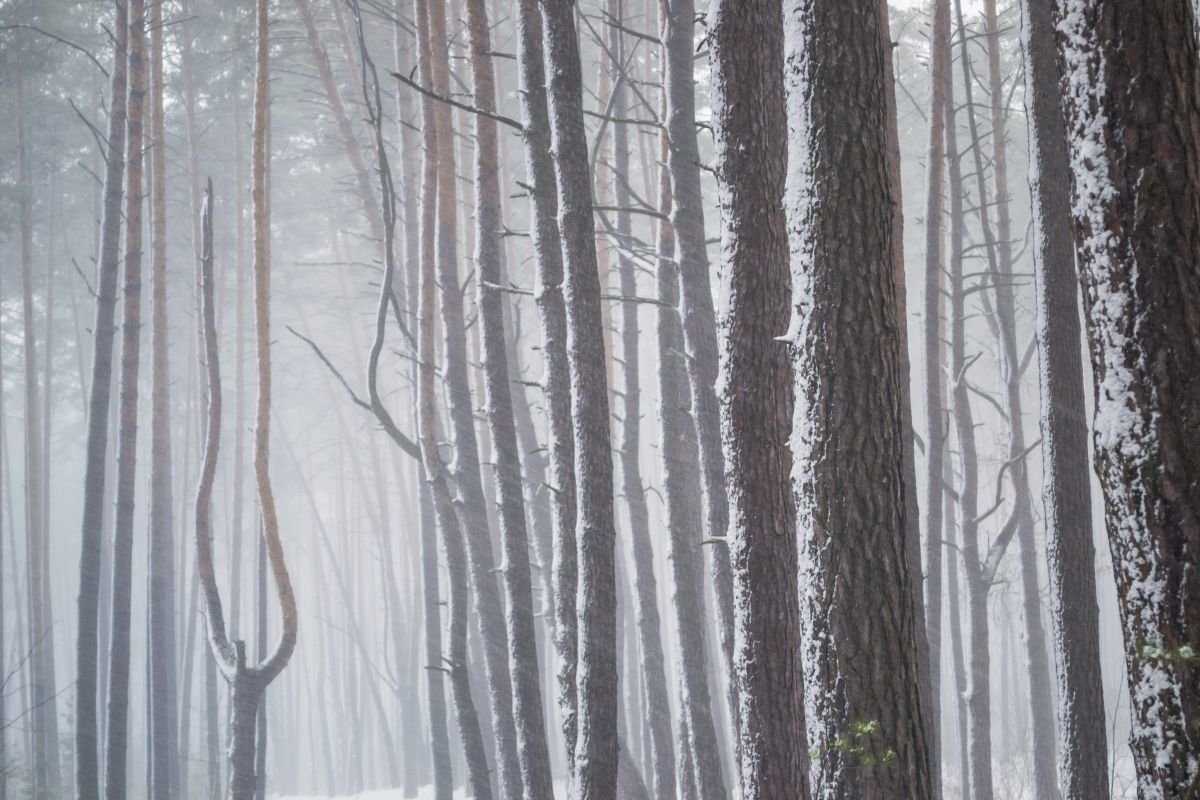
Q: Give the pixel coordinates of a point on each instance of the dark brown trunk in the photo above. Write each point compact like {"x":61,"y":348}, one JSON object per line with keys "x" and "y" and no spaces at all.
{"x":868,"y":733}
{"x":1129,"y":85}
{"x":748,"y":58}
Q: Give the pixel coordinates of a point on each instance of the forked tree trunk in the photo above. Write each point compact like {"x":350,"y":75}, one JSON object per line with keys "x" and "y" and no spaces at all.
{"x":748,"y":59}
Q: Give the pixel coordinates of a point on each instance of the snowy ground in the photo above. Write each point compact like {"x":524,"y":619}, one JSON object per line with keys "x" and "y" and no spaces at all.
{"x":424,"y":793}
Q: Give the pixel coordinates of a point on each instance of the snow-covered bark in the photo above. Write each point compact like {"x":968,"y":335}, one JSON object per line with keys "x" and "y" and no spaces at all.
{"x":865,"y":719}
{"x":1066,"y":489}
{"x":556,"y":384}
{"x":596,"y":746}
{"x":750,"y":125}
{"x":1129,"y":74}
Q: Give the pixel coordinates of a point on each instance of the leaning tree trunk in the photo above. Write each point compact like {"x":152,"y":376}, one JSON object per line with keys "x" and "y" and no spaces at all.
{"x":596,"y":746}
{"x":163,"y":701}
{"x":846,"y":338}
{"x":247,"y":682}
{"x":1066,"y":491}
{"x":117,"y":719}
{"x":87,"y":767}
{"x":747,"y":51}
{"x":1129,"y":82}
{"x":556,"y":383}
{"x":533,"y":747}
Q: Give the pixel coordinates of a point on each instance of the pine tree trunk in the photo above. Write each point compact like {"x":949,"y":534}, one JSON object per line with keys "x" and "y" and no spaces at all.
{"x":699,"y":317}
{"x":596,"y":746}
{"x":533,"y":749}
{"x":1066,"y":491}
{"x":747,"y":54}
{"x":1129,"y":80}
{"x":556,"y":383}
{"x":857,"y":595}
{"x":116,"y":736}
{"x":935,"y":392}
{"x":163,"y":702}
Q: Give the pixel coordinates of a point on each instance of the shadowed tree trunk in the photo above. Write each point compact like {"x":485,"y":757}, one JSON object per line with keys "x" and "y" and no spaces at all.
{"x":596,"y":745}
{"x":1066,"y":490}
{"x":757,"y":395}
{"x":1129,"y":83}
{"x":866,"y":729}
{"x":117,"y":720}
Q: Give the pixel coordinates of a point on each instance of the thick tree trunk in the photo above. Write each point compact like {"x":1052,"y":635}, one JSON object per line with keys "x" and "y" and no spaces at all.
{"x":1066,"y":491}
{"x":1129,"y":83}
{"x":163,"y":702}
{"x":533,"y":748}
{"x":846,"y":336}
{"x":118,"y":667}
{"x":748,"y":54}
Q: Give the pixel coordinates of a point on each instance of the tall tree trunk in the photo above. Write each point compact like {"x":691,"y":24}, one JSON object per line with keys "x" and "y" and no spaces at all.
{"x":596,"y":746}
{"x":979,"y":742}
{"x":1066,"y":490}
{"x":533,"y":748}
{"x":1041,"y":700}
{"x":116,"y":736}
{"x":846,"y":336}
{"x":748,"y":56}
{"x":935,"y":393}
{"x":699,"y":316}
{"x":163,"y":701}
{"x":435,"y":469}
{"x":556,"y":382}
{"x":87,"y":765}
{"x":684,"y":518}
{"x":489,"y":611}
{"x":1129,"y":78}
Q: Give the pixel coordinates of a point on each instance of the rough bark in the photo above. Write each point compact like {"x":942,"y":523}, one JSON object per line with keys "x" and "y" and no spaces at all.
{"x":1066,"y":490}
{"x":117,"y":721}
{"x":696,"y":307}
{"x":532,"y":746}
{"x":866,"y":724}
{"x":757,"y":395}
{"x":596,"y":745}
{"x":1129,"y":82}
{"x":556,"y":382}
